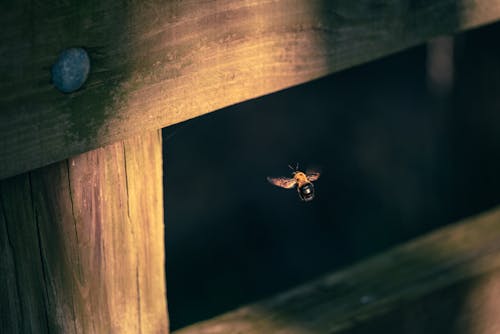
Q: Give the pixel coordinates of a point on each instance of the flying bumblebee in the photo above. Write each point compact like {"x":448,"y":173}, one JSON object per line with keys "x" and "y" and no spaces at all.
{"x":303,"y":182}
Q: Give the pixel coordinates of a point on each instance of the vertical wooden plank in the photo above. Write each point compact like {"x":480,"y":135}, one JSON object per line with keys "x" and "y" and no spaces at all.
{"x":82,"y":243}
{"x":21,"y":262}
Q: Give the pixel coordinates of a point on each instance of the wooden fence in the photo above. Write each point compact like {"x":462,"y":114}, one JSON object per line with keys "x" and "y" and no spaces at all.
{"x":81,"y":201}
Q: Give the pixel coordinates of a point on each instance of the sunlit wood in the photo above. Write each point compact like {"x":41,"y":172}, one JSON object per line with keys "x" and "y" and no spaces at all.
{"x":156,"y":63}
{"x":81,"y":244}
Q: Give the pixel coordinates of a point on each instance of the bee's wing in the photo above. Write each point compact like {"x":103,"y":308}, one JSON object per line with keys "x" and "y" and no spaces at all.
{"x":283,"y":182}
{"x":312,"y":175}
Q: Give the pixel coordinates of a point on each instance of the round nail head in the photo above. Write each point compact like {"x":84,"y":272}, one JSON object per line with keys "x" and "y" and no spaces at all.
{"x":71,"y":70}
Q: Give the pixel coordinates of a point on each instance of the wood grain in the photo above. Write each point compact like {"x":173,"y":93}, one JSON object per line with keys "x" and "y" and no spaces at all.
{"x":82,"y":245}
{"x":157,"y":63}
{"x":445,"y":282}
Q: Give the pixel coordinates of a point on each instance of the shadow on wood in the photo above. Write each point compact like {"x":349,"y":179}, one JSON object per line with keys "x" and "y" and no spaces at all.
{"x":441,"y":283}
{"x":169,"y":61}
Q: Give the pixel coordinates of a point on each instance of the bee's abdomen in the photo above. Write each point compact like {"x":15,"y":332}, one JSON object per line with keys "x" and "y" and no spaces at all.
{"x":306,"y":192}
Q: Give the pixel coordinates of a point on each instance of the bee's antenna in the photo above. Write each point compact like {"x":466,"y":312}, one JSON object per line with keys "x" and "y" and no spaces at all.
{"x":290,"y":166}
{"x":296,"y":168}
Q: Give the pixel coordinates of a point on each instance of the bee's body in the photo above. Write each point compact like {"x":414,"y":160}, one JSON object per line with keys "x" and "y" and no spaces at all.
{"x":301,"y":180}
{"x":306,"y":192}
{"x":305,"y":188}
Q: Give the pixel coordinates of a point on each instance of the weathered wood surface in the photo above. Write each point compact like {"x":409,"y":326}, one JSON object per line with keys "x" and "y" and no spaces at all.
{"x":156,"y":63}
{"x":82,"y":244}
{"x":445,"y":282}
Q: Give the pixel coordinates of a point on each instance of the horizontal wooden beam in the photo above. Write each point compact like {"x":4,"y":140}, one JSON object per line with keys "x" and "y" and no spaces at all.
{"x":445,"y":282}
{"x":157,"y":63}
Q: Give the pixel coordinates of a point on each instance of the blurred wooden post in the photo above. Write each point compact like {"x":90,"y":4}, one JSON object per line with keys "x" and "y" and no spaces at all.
{"x":82,"y":244}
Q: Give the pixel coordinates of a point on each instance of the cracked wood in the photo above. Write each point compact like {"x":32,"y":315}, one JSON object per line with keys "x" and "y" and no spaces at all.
{"x":156,"y":63}
{"x":81,"y":243}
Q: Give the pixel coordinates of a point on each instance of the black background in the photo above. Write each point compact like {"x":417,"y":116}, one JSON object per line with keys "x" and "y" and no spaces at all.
{"x":397,"y":160}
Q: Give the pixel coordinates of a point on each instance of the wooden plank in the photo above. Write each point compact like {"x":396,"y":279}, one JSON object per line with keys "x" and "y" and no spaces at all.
{"x":82,"y":245}
{"x":157,"y":63}
{"x":445,"y":282}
